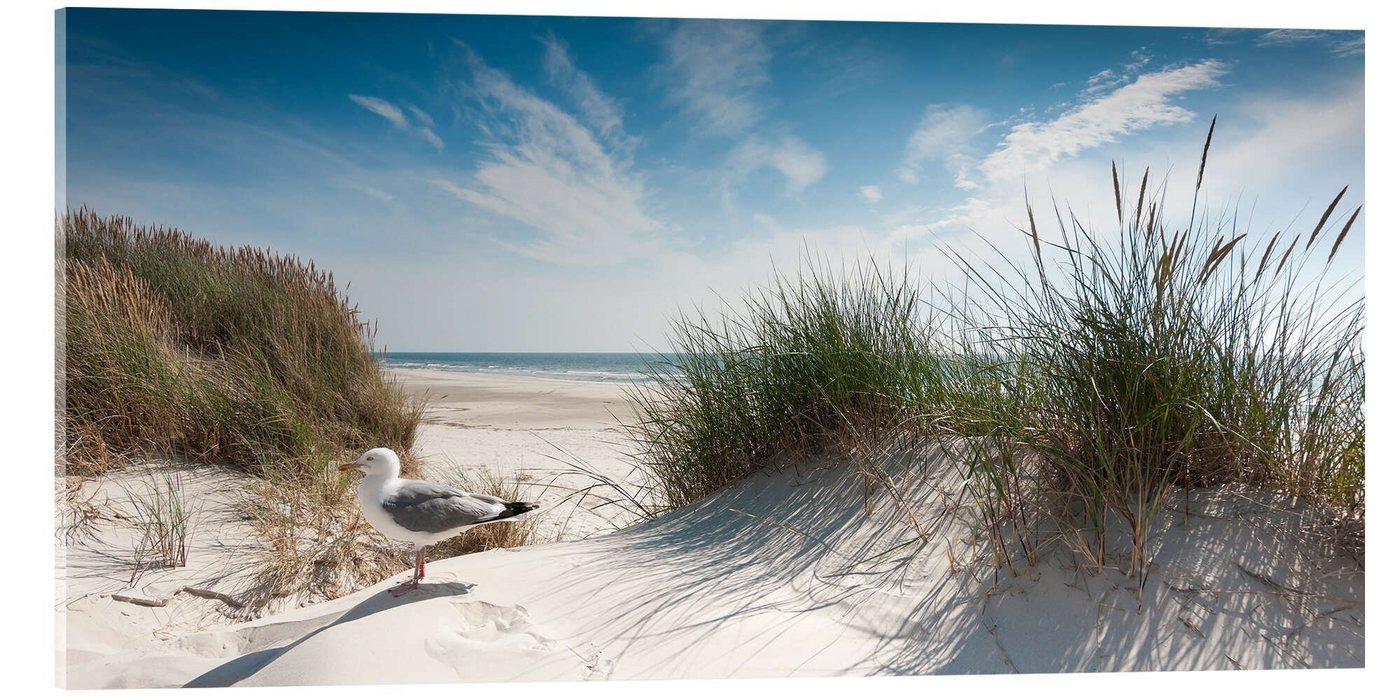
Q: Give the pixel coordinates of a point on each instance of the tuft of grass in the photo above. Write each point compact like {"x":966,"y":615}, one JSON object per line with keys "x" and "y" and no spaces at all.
{"x":800,"y":368}
{"x":79,"y":513}
{"x":619,"y":502}
{"x":235,"y":355}
{"x":1117,"y":370}
{"x":315,"y":543}
{"x":1079,"y":388}
{"x":318,"y":544}
{"x":166,"y":519}
{"x":176,"y":347}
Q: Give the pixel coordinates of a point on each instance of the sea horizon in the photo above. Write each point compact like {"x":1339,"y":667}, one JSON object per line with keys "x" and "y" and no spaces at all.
{"x":573,"y":366}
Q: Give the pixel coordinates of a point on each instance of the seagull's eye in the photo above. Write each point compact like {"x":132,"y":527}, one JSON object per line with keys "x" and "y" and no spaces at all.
{"x":370,"y":459}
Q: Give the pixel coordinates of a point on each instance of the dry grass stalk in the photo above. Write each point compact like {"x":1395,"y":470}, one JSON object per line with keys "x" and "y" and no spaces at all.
{"x":234,"y":355}
{"x":238,"y":356}
{"x":166,"y":518}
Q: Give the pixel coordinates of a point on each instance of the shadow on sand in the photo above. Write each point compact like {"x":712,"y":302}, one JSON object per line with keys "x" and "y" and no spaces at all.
{"x":746,"y":570}
{"x":808,"y":562}
{"x":750,"y":564}
{"x":240,"y":668}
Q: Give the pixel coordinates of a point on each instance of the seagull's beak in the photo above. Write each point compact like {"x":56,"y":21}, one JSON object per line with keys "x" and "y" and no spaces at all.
{"x":348,"y":467}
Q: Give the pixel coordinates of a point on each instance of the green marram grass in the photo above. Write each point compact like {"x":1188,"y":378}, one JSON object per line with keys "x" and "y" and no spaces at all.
{"x":176,"y":348}
{"x":235,"y":355}
{"x":831,"y":356}
{"x":1079,"y":388}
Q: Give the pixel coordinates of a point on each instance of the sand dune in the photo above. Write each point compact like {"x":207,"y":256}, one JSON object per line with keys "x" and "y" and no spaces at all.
{"x":789,"y":575}
{"x":521,"y":427}
{"x":795,"y":572}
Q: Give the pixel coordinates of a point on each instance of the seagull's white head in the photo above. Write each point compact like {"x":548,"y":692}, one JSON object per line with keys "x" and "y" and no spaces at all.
{"x":380,"y":461}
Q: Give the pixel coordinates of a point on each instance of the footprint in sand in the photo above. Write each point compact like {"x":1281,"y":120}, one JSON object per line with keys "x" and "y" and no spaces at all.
{"x":485,"y":626}
{"x":490,"y":642}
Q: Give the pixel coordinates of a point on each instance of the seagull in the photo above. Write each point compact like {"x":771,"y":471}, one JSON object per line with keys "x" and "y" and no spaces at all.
{"x":421,"y":512}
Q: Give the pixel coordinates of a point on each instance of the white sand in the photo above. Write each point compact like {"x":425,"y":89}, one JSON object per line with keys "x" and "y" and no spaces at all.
{"x":540,"y":431}
{"x":535,"y":430}
{"x":787,"y":574}
{"x":104,"y":609}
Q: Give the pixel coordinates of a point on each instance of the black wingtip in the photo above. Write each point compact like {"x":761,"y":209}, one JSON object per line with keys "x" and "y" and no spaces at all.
{"x":514,"y":509}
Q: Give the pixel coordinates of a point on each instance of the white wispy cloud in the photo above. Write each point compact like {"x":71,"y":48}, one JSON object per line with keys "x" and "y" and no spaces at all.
{"x":969,"y":214}
{"x":1340,"y":43}
{"x":396,"y":117}
{"x":374,"y":192}
{"x":1261,"y":154}
{"x":1110,"y":78}
{"x":599,"y":109}
{"x":430,"y":136}
{"x":547,"y":170}
{"x":944,"y":134}
{"x":383,"y":108}
{"x":715,"y":71}
{"x":1223,"y":36}
{"x":799,"y":163}
{"x":421,"y":116}
{"x":1324,"y":130}
{"x":1146,"y":102}
{"x":1100,"y":80}
{"x":871,"y":194}
{"x":1289,"y":37}
{"x":1354,"y":46}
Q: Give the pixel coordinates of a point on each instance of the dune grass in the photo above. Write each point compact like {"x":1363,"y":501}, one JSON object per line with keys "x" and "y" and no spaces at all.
{"x":165,"y":517}
{"x":80,"y":514}
{"x":313,"y":541}
{"x":231,"y":355}
{"x":830,"y":355}
{"x":1160,"y":358}
{"x":319,"y":545}
{"x":1079,"y":388}
{"x":176,"y":348}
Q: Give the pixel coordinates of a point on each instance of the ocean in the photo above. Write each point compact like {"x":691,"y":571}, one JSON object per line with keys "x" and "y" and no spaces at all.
{"x":622,"y":367}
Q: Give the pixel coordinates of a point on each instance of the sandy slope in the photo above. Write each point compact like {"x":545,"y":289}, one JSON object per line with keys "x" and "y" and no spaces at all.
{"x":105,"y":607}
{"x":788,"y":574}
{"x":793,"y":572}
{"x":525,"y":428}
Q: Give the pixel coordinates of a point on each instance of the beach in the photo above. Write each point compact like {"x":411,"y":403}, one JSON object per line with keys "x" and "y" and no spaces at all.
{"x":537,"y":430}
{"x":872,"y":552}
{"x":797,"y":571}
{"x":543,"y":432}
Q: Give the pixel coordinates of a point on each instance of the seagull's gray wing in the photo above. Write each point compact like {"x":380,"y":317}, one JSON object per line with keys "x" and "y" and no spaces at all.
{"x":423,"y":507}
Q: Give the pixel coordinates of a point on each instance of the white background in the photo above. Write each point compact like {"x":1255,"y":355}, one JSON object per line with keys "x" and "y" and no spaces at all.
{"x":26,"y":224}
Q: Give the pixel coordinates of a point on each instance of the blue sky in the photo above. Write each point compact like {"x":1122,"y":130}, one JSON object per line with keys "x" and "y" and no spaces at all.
{"x":535,"y":183}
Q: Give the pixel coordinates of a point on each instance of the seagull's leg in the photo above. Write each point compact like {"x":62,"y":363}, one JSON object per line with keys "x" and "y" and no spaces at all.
{"x":422,"y":562}
{"x":412,"y":582}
